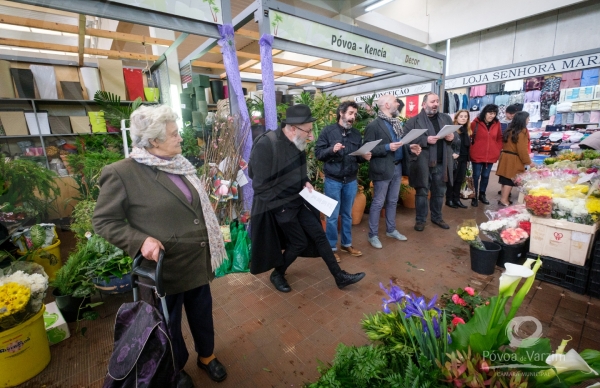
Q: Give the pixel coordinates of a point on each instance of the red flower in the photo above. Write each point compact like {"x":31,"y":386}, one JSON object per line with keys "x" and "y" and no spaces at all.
{"x":456,"y":320}
{"x":470,"y":291}
{"x":458,"y":300}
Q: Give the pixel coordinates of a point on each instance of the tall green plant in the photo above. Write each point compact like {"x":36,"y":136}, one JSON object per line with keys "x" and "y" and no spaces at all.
{"x":87,"y":167}
{"x":114,"y":110}
{"x":27,"y":187}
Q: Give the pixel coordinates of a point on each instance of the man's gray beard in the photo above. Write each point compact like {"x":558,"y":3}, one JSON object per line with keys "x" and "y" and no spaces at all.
{"x":300,"y":143}
{"x":346,"y":124}
{"x":394,"y":113}
{"x":429,"y":111}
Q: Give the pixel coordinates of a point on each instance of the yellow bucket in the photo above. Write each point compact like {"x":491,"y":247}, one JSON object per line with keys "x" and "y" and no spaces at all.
{"x":50,"y":259}
{"x":24,"y":351}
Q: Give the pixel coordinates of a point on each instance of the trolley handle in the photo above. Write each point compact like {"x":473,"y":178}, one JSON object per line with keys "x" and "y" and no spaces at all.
{"x":156,"y":276}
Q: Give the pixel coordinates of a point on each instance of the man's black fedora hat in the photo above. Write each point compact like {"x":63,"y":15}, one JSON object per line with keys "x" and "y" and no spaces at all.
{"x":298,"y":114}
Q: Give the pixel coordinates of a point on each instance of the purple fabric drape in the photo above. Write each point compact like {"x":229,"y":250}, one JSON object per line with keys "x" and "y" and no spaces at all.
{"x":266,"y":67}
{"x":234,"y":82}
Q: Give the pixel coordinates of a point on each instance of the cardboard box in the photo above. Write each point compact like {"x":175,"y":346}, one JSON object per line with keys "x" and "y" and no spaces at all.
{"x":14,"y":123}
{"x":57,"y":329}
{"x":561,"y":239}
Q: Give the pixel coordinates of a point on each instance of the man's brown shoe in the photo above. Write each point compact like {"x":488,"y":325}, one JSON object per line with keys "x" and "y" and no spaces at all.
{"x":337,"y":258}
{"x":351,"y":250}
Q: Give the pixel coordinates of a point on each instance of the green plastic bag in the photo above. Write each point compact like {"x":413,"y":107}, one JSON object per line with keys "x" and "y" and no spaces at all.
{"x":241,"y":251}
{"x":225,"y":267}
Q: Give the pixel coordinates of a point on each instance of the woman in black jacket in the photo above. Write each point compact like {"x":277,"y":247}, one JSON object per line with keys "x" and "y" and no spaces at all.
{"x":461,"y":159}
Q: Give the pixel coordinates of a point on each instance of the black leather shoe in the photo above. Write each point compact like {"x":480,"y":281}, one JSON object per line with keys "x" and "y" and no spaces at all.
{"x":460,"y":204}
{"x":451,"y":204}
{"x":474,"y":202}
{"x":216,"y":371}
{"x":419,"y":226}
{"x":279,"y":281}
{"x":184,"y":381}
{"x":343,"y":278}
{"x":483,"y":199}
{"x":441,"y":224}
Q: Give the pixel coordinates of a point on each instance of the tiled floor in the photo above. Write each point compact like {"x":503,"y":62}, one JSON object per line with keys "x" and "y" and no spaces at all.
{"x":269,"y":339}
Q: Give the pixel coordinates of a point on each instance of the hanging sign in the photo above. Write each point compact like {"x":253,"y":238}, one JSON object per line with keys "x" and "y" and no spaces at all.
{"x":307,"y":32}
{"x":205,"y":10}
{"x":542,"y":68}
{"x":401,"y":92}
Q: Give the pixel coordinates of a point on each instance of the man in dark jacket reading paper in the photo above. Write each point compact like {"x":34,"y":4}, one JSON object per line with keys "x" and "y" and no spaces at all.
{"x":280,"y":216}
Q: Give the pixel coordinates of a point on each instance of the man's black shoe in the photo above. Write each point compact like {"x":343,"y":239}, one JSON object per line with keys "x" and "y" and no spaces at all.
{"x":343,"y":278}
{"x":216,"y":371}
{"x":419,"y":226}
{"x":483,"y":199}
{"x":279,"y":281}
{"x":184,"y":381}
{"x":451,"y":204}
{"x":441,"y":224}
{"x":460,"y":204}
{"x":474,"y":202}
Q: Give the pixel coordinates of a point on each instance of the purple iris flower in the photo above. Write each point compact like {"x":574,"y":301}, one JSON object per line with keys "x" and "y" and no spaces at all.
{"x":436,"y":326}
{"x":395,"y":295}
{"x":417,"y":306}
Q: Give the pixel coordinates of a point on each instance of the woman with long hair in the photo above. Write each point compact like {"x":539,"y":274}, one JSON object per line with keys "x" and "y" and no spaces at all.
{"x":461,"y":160}
{"x":486,"y":144}
{"x":515,"y":154}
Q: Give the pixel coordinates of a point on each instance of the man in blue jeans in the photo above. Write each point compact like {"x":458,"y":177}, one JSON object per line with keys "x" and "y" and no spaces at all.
{"x":334,"y":146}
{"x":385,"y":167}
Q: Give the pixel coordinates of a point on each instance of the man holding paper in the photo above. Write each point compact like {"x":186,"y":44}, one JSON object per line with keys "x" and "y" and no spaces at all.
{"x":335,"y":147}
{"x":280,"y":217}
{"x":433,"y":167}
{"x":385,"y":167}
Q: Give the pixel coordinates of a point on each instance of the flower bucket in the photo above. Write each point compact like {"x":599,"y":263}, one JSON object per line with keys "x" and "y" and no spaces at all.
{"x":114,"y":285}
{"x":515,"y":254}
{"x":50,"y":260}
{"x":484,"y":262}
{"x":24,"y":351}
{"x":151,"y":94}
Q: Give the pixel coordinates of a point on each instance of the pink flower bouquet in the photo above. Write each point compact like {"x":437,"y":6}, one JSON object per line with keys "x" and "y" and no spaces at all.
{"x":513,"y":236}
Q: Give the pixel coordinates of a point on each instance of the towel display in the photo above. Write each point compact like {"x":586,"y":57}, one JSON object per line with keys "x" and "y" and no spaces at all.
{"x":71,"y":90}
{"x":23,"y":79}
{"x":134,"y":82}
{"x":111,"y":72}
{"x":589,"y":77}
{"x":91,"y":81}
{"x":6,"y":85}
{"x":45,"y":80}
{"x":478,"y":91}
{"x":570,"y":80}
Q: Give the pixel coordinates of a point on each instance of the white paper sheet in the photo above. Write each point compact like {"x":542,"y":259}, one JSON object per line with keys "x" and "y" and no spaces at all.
{"x":585,"y":178}
{"x":412,"y":135}
{"x":365,"y":149}
{"x":241,"y":178}
{"x":323,"y":203}
{"x":448,"y":129}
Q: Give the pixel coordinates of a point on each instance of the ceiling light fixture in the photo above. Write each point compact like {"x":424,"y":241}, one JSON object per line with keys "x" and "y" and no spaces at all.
{"x":377,"y":5}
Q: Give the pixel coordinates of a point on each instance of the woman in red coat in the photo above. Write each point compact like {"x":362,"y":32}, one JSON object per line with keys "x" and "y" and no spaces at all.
{"x":486,"y":144}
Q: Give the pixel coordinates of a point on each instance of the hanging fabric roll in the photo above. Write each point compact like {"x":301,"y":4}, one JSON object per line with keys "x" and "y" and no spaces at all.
{"x":45,"y":80}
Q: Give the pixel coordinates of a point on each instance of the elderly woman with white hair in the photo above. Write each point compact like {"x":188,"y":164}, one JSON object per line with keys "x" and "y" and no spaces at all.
{"x":153,"y":200}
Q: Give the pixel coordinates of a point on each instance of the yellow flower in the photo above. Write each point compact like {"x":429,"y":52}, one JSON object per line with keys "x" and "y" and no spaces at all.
{"x":593,"y":205}
{"x":540,"y":192}
{"x":13,"y":298}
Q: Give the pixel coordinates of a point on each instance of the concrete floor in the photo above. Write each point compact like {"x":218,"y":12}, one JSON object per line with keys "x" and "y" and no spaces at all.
{"x":269,"y":339}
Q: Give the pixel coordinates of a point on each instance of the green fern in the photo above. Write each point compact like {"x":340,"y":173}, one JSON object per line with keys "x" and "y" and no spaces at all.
{"x":114,"y":111}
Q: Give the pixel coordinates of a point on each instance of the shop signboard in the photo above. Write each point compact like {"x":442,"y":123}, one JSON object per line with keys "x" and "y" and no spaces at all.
{"x":308,"y":32}
{"x":400,"y":92}
{"x":204,"y":10}
{"x":526,"y":71}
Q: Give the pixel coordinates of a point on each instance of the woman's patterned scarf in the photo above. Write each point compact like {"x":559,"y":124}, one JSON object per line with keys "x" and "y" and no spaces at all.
{"x":181,"y":166}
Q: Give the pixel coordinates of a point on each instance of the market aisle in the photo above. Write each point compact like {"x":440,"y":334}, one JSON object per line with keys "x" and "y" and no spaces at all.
{"x":269,"y":339}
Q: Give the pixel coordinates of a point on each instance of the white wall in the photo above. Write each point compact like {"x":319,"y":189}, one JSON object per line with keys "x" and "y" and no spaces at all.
{"x":563,"y":31}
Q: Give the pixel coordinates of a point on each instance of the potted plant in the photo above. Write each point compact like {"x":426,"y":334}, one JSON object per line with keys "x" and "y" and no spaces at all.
{"x":109,"y":268}
{"x":113,"y":110}
{"x":26,"y":187}
{"x":407,"y":194}
{"x":72,"y":287}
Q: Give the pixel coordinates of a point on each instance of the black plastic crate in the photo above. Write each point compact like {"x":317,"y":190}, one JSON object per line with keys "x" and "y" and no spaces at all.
{"x":596,"y":253}
{"x":594,"y":283}
{"x":569,"y":276}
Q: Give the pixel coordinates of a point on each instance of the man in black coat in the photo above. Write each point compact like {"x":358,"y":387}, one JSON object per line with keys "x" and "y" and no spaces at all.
{"x":433,"y":168}
{"x":277,"y":167}
{"x":334,"y":146}
{"x":385,"y":167}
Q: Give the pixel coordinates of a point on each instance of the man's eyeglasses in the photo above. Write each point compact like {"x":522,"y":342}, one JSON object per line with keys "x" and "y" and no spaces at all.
{"x":309,"y":131}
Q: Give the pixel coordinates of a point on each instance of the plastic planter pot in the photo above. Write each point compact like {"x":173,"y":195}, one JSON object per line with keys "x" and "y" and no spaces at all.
{"x":515,"y":254}
{"x":69,"y":305}
{"x":114,"y":285}
{"x":484,"y":262}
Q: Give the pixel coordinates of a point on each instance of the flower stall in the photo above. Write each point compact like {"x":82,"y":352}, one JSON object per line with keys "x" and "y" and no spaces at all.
{"x":469,"y":341}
